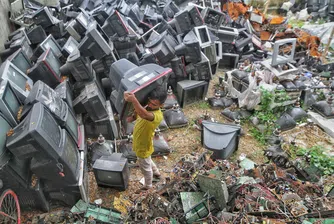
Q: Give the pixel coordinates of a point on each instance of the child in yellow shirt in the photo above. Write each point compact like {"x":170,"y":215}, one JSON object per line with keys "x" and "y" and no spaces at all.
{"x":147,"y":120}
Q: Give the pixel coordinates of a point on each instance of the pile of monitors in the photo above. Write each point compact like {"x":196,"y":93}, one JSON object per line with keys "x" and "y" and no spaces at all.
{"x":63,"y":78}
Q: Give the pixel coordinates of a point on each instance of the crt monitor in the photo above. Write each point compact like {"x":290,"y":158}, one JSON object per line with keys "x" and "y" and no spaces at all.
{"x":58,"y":108}
{"x":68,"y":163}
{"x":212,"y":18}
{"x":36,"y":35}
{"x":117,"y":71}
{"x":20,"y":60}
{"x":38,"y":135}
{"x":117,"y":24}
{"x":279,"y":57}
{"x":94,"y":45}
{"x":9,"y":103}
{"x":43,"y":17}
{"x":203,"y":35}
{"x":140,"y":80}
{"x":106,"y":126}
{"x":112,"y":171}
{"x":46,"y":69}
{"x":13,"y":172}
{"x":77,"y":66}
{"x":70,"y":45}
{"x":49,"y":42}
{"x":64,"y":91}
{"x":191,"y":91}
{"x":20,"y":82}
{"x":190,"y":47}
{"x":94,"y":103}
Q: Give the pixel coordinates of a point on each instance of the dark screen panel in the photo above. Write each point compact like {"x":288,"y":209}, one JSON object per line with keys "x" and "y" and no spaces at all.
{"x":51,"y":128}
{"x":3,"y":134}
{"x":71,"y":153}
{"x":108,"y":177}
{"x":11,"y":101}
{"x":17,"y":78}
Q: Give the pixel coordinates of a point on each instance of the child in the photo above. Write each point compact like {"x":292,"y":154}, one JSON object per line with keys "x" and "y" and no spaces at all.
{"x":147,"y":120}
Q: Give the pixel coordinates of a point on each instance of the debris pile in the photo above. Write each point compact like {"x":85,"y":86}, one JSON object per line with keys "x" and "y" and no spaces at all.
{"x":62,"y":109}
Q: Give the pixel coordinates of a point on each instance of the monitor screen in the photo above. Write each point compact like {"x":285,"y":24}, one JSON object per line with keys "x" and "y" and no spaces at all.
{"x":110,"y":177}
{"x":50,"y":127}
{"x":9,"y":101}
{"x":38,"y":135}
{"x":3,"y":134}
{"x":71,"y":154}
{"x":50,"y":42}
{"x":16,"y":77}
{"x":20,"y":60}
{"x":72,"y":125}
{"x":53,"y":62}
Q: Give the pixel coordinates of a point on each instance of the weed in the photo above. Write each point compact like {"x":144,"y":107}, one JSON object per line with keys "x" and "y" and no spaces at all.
{"x":204,"y":105}
{"x":317,"y":157}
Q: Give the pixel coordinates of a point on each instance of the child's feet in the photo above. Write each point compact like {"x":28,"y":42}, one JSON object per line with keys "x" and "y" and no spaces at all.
{"x":145,"y":188}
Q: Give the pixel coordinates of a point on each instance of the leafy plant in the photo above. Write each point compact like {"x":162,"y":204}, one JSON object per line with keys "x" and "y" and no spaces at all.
{"x":317,"y":157}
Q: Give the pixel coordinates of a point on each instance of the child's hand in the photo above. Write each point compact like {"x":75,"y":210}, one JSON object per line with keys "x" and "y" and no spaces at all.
{"x":129,"y":97}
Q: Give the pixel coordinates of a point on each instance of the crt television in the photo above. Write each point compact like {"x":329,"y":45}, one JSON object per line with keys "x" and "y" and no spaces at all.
{"x":68,"y":163}
{"x":49,"y":42}
{"x":190,"y":47}
{"x":43,"y":17}
{"x":58,"y":108}
{"x":191,"y":91}
{"x":9,"y":103}
{"x":94,"y":45}
{"x":112,"y":171}
{"x":70,"y":45}
{"x":20,"y":60}
{"x":38,"y":135}
{"x":78,"y":66}
{"x":139,"y":80}
{"x":20,"y":83}
{"x":46,"y":69}
{"x":64,"y":91}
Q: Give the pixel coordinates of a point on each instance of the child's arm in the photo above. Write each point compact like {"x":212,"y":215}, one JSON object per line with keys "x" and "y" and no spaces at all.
{"x":140,"y":110}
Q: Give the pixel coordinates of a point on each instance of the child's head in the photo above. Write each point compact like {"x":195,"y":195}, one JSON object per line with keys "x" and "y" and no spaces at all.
{"x":156,"y":98}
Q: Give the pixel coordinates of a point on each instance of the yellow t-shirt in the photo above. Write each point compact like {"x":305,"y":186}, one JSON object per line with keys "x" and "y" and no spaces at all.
{"x":143,"y":133}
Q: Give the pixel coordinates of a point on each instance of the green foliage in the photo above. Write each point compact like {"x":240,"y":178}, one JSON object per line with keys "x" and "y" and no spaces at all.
{"x":321,"y":96}
{"x":204,"y":105}
{"x":266,"y":115}
{"x":318,"y":158}
{"x":258,"y":135}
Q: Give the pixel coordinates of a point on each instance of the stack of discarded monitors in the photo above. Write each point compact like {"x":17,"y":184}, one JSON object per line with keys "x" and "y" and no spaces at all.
{"x":64,"y":72}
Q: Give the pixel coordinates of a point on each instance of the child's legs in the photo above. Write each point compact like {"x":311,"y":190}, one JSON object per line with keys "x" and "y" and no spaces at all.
{"x":154,"y":167}
{"x":146,"y":169}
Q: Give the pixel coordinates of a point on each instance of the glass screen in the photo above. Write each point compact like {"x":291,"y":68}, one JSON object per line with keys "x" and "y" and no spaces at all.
{"x":20,"y":61}
{"x":51,"y":128}
{"x":50,"y":44}
{"x":11,"y":102}
{"x":3,"y":134}
{"x":72,"y":124}
{"x":110,"y":177}
{"x":71,"y":153}
{"x":15,"y":77}
{"x":53,"y":62}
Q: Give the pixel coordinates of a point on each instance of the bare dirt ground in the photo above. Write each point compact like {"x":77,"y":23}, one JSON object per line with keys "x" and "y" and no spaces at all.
{"x":187,"y":140}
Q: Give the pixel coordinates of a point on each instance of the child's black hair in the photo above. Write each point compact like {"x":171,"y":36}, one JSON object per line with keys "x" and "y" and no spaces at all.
{"x":158,"y":93}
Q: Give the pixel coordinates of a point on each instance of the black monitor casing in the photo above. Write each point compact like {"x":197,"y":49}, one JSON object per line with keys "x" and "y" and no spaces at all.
{"x":46,"y":69}
{"x":115,"y":164}
{"x":21,"y":89}
{"x":38,"y":135}
{"x":185,"y":97}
